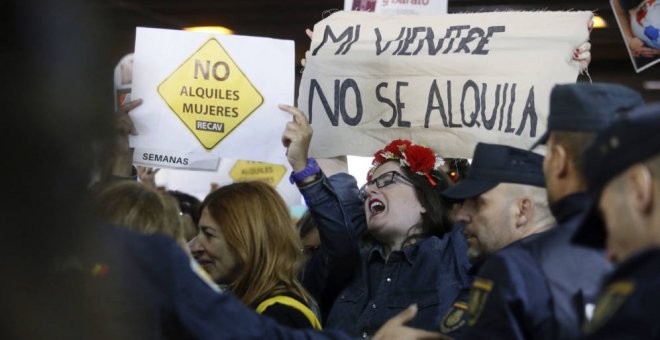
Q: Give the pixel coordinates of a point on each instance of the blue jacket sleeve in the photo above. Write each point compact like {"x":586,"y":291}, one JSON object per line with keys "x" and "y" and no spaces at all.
{"x":150,"y":289}
{"x":339,"y":214}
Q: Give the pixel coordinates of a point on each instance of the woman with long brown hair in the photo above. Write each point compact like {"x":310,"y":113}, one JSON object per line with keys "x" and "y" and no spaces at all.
{"x":248,"y":242}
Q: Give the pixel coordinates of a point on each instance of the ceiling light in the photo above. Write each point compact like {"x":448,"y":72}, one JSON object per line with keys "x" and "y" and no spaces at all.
{"x":209,"y":29}
{"x":599,"y":22}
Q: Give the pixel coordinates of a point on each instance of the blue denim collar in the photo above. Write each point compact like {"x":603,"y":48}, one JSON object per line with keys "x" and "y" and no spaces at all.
{"x":377,"y":252}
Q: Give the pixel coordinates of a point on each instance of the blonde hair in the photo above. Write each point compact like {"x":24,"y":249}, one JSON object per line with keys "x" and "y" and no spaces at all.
{"x":259,"y":230}
{"x":132,"y":205}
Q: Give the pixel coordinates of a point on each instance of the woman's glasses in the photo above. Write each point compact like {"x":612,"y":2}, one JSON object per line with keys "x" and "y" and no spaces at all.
{"x":383,"y":181}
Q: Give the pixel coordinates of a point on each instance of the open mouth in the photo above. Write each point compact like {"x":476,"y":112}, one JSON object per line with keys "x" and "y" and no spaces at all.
{"x":376,"y":206}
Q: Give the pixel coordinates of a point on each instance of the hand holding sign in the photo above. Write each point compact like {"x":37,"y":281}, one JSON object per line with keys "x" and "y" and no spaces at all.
{"x":582,"y":55}
{"x":121,"y":155}
{"x":147,"y":176}
{"x":309,"y":33}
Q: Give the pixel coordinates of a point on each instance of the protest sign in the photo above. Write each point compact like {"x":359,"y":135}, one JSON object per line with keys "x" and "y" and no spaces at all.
{"x":199,"y":184}
{"x":123,"y":81}
{"x":639,"y":23}
{"x":207,"y":96}
{"x":397,"y":6}
{"x":445,"y":81}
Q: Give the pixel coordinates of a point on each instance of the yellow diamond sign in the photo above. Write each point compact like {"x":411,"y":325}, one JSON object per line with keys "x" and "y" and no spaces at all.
{"x":257,"y":171}
{"x":210,"y":94}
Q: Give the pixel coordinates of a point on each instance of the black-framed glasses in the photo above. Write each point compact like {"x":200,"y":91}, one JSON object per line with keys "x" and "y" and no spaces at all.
{"x":383,"y":181}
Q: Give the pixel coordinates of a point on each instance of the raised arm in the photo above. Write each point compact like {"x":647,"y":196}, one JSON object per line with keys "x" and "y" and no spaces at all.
{"x":336,"y":208}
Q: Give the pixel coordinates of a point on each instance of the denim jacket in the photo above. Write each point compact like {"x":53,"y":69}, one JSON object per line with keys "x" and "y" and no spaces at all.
{"x":363,"y":289}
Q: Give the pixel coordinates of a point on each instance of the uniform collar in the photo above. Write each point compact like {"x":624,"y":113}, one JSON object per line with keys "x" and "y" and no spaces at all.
{"x":631,"y":267}
{"x":570,"y":205}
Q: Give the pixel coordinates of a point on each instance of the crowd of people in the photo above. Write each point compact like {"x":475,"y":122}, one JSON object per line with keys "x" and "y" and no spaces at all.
{"x":523,"y":246}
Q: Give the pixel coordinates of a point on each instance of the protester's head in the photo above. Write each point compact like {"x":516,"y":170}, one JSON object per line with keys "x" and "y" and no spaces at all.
{"x":309,"y":234}
{"x":577,"y":113}
{"x":133,"y":205}
{"x":402,"y":196}
{"x":503,"y":198}
{"x":622,"y":168}
{"x":189,"y":206}
{"x":247,"y":240}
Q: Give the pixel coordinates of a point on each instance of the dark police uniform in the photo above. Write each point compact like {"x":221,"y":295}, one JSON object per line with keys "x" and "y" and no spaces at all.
{"x":146,"y":287}
{"x":543,"y":286}
{"x":540,"y":287}
{"x":488,"y":313}
{"x":627,"y":307}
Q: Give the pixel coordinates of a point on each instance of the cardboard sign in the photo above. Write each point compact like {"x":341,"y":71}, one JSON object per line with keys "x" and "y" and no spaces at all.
{"x":257,"y":171}
{"x":397,"y":6}
{"x":444,"y":81}
{"x":207,"y":96}
{"x":200,"y":183}
{"x":223,"y":108}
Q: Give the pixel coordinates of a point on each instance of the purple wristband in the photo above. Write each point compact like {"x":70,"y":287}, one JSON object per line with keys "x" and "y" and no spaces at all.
{"x":312,"y":168}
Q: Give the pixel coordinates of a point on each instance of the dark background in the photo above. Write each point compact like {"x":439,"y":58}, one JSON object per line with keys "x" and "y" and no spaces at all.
{"x":287,"y":19}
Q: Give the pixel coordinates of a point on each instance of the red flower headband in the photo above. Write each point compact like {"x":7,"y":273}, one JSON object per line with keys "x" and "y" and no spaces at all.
{"x":419,"y":159}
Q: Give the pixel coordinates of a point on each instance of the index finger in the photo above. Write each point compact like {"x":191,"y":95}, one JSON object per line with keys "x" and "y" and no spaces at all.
{"x":130,"y":105}
{"x":298,"y":116}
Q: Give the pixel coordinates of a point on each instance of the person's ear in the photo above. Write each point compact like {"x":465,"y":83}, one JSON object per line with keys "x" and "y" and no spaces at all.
{"x":524,"y":211}
{"x":558,"y":161}
{"x":640,"y":182}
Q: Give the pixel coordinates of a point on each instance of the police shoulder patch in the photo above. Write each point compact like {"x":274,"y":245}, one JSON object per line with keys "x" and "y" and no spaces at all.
{"x":608,"y":303}
{"x":481,"y":288}
{"x":455,"y":317}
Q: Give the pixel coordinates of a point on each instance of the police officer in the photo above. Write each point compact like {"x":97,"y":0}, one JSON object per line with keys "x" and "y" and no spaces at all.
{"x":622,"y":169}
{"x":568,"y":276}
{"x":504,"y":201}
{"x":573,"y":273}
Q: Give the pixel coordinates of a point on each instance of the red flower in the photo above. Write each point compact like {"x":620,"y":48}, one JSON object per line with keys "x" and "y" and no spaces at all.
{"x":398,"y":146}
{"x":420,"y":158}
{"x":391,"y":151}
{"x":378,"y":158}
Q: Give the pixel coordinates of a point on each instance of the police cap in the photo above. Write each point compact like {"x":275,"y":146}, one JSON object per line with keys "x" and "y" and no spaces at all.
{"x":632,"y":138}
{"x":493,"y":164}
{"x":587,"y":107}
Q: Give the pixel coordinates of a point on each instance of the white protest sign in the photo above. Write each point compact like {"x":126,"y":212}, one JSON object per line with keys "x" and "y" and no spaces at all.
{"x":444,"y":81}
{"x":207,"y":96}
{"x":154,"y":157}
{"x":168,"y":159}
{"x":397,"y":6}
